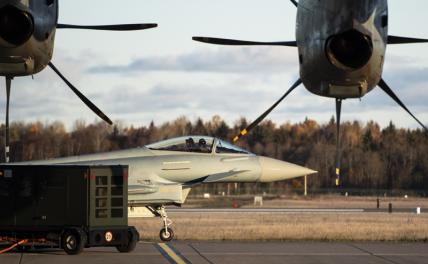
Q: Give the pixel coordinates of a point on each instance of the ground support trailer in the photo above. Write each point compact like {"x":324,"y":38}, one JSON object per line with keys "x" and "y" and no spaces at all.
{"x":71,"y":207}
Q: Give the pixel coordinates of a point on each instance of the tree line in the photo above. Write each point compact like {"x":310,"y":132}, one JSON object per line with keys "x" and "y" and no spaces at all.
{"x":373,"y":158}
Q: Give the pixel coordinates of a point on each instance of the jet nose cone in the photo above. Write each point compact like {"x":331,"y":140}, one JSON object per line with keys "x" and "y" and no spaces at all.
{"x":277,"y":170}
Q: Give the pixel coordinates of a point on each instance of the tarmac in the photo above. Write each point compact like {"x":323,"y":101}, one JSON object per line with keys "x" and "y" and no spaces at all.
{"x":138,"y":212}
{"x":236,"y":252}
{"x":294,"y":210}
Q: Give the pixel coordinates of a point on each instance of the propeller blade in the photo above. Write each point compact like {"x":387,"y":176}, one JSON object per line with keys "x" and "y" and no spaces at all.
{"x":384,"y":86}
{"x":124,"y":27}
{"x":260,"y":118}
{"x":7,"y":133}
{"x":338,"y":153}
{"x":85,"y":100}
{"x":404,"y":40}
{"x":234,"y":42}
{"x":294,"y":2}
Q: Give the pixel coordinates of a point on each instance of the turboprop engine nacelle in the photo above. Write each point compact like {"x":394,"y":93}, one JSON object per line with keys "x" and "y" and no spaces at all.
{"x":27,"y":33}
{"x":341,"y":45}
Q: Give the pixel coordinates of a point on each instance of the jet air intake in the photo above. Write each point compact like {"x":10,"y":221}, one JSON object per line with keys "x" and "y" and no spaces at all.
{"x":16,"y":26}
{"x":349,"y":50}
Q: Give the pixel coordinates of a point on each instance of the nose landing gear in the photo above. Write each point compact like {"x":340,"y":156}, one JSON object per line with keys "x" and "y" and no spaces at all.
{"x":166,"y":234}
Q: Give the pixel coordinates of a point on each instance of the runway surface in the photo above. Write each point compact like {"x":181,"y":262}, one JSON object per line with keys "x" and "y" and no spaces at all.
{"x":262,"y":210}
{"x":293,"y":210}
{"x":237,"y":252}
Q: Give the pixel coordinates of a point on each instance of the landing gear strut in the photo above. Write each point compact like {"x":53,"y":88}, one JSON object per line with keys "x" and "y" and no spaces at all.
{"x":166,"y":234}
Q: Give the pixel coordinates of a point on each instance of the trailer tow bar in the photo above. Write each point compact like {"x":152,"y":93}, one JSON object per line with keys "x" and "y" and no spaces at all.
{"x":13,"y":246}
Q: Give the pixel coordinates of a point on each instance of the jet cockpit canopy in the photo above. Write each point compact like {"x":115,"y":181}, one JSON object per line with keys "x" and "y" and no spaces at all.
{"x":226,"y":147}
{"x":200,"y":144}
{"x":186,"y":144}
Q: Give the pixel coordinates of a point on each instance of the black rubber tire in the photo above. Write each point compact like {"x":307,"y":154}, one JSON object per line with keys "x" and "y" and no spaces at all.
{"x":133,"y":238}
{"x":73,"y":242}
{"x":164,"y":237}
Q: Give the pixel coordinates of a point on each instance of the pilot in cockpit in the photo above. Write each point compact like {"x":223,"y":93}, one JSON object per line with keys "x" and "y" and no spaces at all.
{"x":203,"y":145}
{"x":190,"y":144}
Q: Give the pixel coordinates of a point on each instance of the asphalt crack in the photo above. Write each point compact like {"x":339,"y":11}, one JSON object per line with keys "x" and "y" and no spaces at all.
{"x":374,"y":255}
{"x":200,"y":254}
{"x":20,"y":258}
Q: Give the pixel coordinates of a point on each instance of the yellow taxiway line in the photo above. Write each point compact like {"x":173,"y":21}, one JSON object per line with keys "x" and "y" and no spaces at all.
{"x":171,"y":254}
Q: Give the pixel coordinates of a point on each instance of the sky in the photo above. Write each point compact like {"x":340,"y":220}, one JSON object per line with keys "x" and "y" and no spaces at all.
{"x":161,"y":74}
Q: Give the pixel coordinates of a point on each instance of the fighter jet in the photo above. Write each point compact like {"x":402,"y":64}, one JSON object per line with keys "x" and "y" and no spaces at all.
{"x":27,"y":36}
{"x":341,"y":50}
{"x":163,"y":173}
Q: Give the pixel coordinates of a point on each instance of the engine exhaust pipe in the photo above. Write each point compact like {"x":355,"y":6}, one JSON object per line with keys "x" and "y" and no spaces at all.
{"x":349,"y":50}
{"x":16,"y":25}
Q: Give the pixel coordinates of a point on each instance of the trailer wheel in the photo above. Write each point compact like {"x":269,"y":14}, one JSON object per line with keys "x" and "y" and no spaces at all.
{"x":133,"y":238}
{"x":73,"y":242}
{"x":166,"y":236}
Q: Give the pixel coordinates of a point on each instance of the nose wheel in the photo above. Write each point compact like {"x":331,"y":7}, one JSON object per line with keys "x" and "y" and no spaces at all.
{"x":166,"y":234}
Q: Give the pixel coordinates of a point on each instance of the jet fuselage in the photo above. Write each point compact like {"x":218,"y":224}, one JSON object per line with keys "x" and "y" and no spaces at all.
{"x":164,"y":172}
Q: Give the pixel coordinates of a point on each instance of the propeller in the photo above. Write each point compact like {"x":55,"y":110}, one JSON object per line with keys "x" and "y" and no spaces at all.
{"x":123,"y":27}
{"x":405,"y":40}
{"x":234,"y":42}
{"x":267,"y":112}
{"x":92,"y":106}
{"x":85,"y":100}
{"x":382,"y":85}
{"x":294,"y":2}
{"x":338,"y":152}
{"x":120,"y":27}
{"x":385,"y":87}
{"x":7,"y":138}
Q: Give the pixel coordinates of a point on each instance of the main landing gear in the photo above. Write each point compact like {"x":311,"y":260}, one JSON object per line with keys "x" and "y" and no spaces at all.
{"x":166,"y":234}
